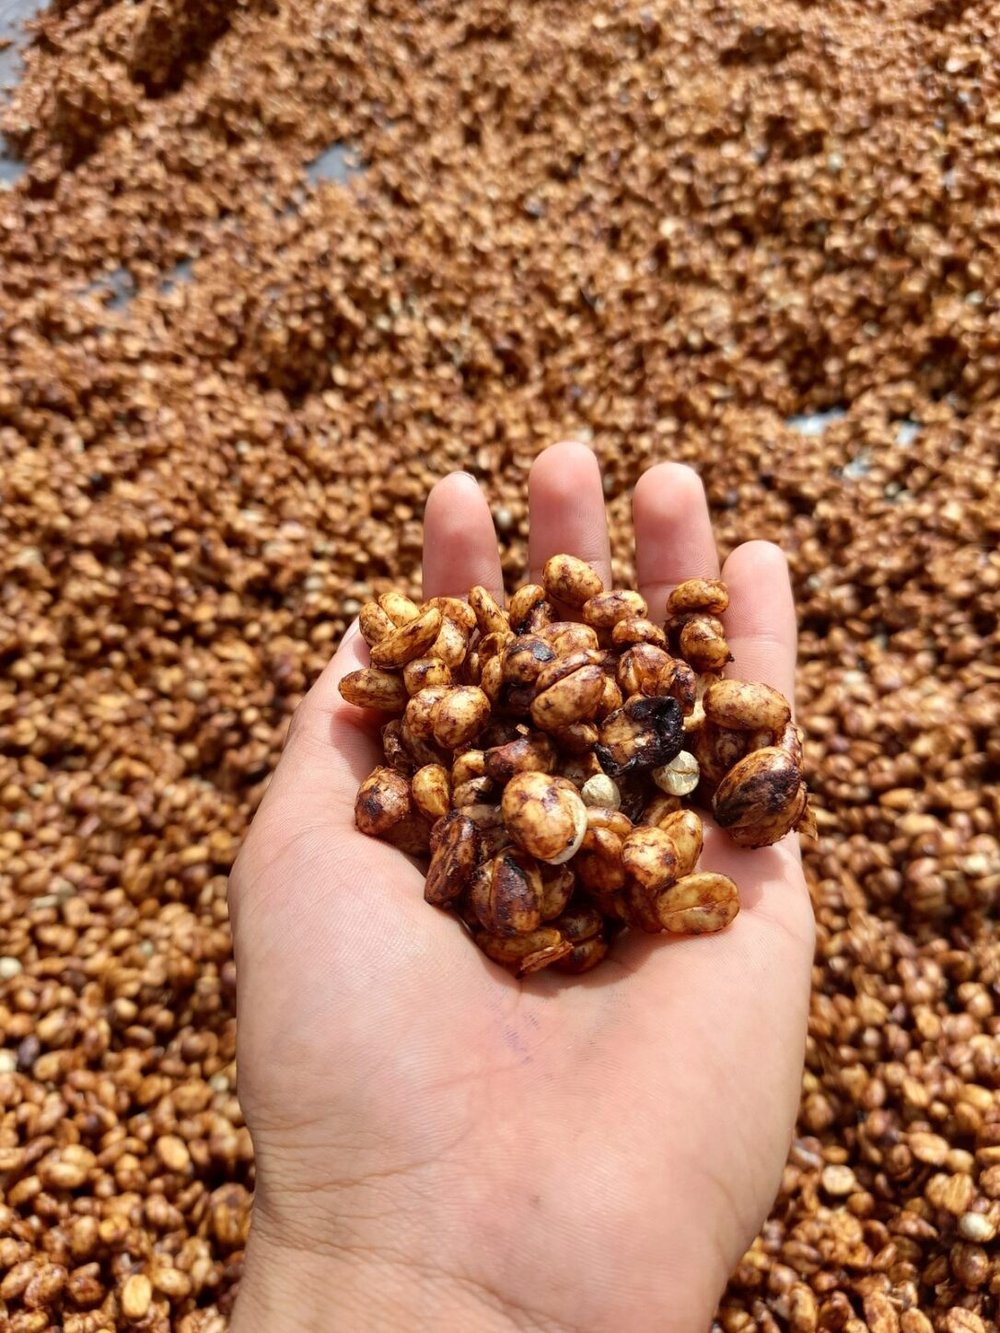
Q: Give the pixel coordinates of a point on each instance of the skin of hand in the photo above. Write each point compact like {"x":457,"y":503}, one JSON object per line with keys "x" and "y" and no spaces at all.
{"x":441,"y":1146}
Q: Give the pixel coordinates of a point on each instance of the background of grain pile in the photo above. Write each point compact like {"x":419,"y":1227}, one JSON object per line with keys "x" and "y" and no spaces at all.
{"x":674,"y":228}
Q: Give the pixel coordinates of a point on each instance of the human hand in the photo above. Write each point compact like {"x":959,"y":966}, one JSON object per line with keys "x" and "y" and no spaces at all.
{"x":442,"y":1146}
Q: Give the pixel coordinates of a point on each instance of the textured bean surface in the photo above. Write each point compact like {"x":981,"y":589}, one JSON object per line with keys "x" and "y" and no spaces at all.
{"x":676,"y":230}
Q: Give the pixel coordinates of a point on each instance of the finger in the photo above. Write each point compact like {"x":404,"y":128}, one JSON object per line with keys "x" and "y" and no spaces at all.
{"x":566,"y":510}
{"x":331,"y":746}
{"x":673,"y":532}
{"x":760,"y":622}
{"x":460,"y":543}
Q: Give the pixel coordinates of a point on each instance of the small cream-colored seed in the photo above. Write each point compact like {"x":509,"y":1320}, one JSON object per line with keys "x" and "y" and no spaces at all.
{"x":600,"y":790}
{"x":680,"y":777}
{"x":570,"y":580}
{"x":977,"y":1228}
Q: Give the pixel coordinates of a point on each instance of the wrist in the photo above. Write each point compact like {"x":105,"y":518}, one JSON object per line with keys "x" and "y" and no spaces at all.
{"x":290,"y":1290}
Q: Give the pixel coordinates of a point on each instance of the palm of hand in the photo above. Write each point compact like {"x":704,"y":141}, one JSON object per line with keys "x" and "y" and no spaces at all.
{"x":592,"y":1152}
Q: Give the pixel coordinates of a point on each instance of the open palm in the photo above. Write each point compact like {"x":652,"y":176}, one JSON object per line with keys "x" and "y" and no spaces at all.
{"x":440,"y":1145}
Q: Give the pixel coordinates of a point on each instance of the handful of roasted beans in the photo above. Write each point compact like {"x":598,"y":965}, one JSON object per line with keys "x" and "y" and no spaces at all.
{"x":538,"y":756}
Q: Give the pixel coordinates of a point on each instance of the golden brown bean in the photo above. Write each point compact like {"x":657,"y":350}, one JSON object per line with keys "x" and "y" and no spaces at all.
{"x":686,"y":833}
{"x":506,"y":894}
{"x":575,"y":698}
{"x":703,"y":644}
{"x":370,"y":687}
{"x":455,"y":610}
{"x":525,"y":657}
{"x":383,"y":800}
{"x":577,"y":740}
{"x":430,"y":788}
{"x":459,"y":716}
{"x":570,"y":580}
{"x":698,"y":904}
{"x":534,"y":752}
{"x":407,"y":641}
{"x":544,"y":815}
{"x":558,"y":883}
{"x":529,"y":609}
{"x":584,"y":956}
{"x":606,"y":609}
{"x":709,"y":595}
{"x":746,"y":706}
{"x":454,"y":846}
{"x":650,"y":858}
{"x":398,"y":608}
{"x":637,"y":629}
{"x":760,"y":797}
{"x":374,"y":623}
{"x":424,"y":673}
{"x":490,"y":615}
{"x":566,"y":636}
{"x":598,"y":863}
{"x":451,"y":645}
{"x":417,"y":717}
{"x":468,"y":763}
{"x":527,"y":953}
